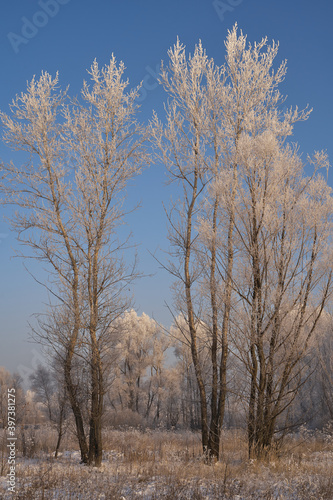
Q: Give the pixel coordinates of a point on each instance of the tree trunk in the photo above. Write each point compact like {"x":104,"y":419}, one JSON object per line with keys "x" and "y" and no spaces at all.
{"x":252,"y":402}
{"x":95,"y":433}
{"x":189,"y":304}
{"x":71,"y":390}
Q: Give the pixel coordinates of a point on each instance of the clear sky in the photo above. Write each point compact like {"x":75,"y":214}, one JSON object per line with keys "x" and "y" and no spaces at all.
{"x":67,"y":35}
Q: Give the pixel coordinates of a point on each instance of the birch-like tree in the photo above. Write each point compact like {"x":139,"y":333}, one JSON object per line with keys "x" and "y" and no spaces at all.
{"x":210,"y":107}
{"x":182,"y":143}
{"x":282,"y":278}
{"x":69,"y":192}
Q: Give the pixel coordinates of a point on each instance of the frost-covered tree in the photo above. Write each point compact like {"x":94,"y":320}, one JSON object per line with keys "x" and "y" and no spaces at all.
{"x":209,"y":109}
{"x":189,"y":398}
{"x":315,"y":398}
{"x":282,"y":273}
{"x":69,"y":191}
{"x":140,"y":347}
{"x":183,"y":144}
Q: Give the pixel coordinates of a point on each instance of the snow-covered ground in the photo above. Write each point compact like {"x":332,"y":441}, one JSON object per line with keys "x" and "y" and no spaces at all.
{"x":161,"y":465}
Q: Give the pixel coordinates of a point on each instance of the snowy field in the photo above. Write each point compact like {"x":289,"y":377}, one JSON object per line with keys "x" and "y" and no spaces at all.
{"x":168,"y":465}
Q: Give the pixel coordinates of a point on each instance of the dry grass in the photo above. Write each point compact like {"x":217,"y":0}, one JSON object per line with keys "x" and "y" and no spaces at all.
{"x":169,"y":465}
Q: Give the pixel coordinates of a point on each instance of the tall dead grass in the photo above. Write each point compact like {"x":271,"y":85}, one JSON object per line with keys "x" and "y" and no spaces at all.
{"x":155,"y":465}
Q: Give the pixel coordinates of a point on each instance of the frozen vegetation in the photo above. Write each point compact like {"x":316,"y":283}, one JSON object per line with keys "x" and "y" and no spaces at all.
{"x":168,"y":465}
{"x":250,"y":230}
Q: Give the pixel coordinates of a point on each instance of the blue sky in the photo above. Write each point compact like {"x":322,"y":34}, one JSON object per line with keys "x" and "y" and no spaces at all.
{"x":66,"y":36}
